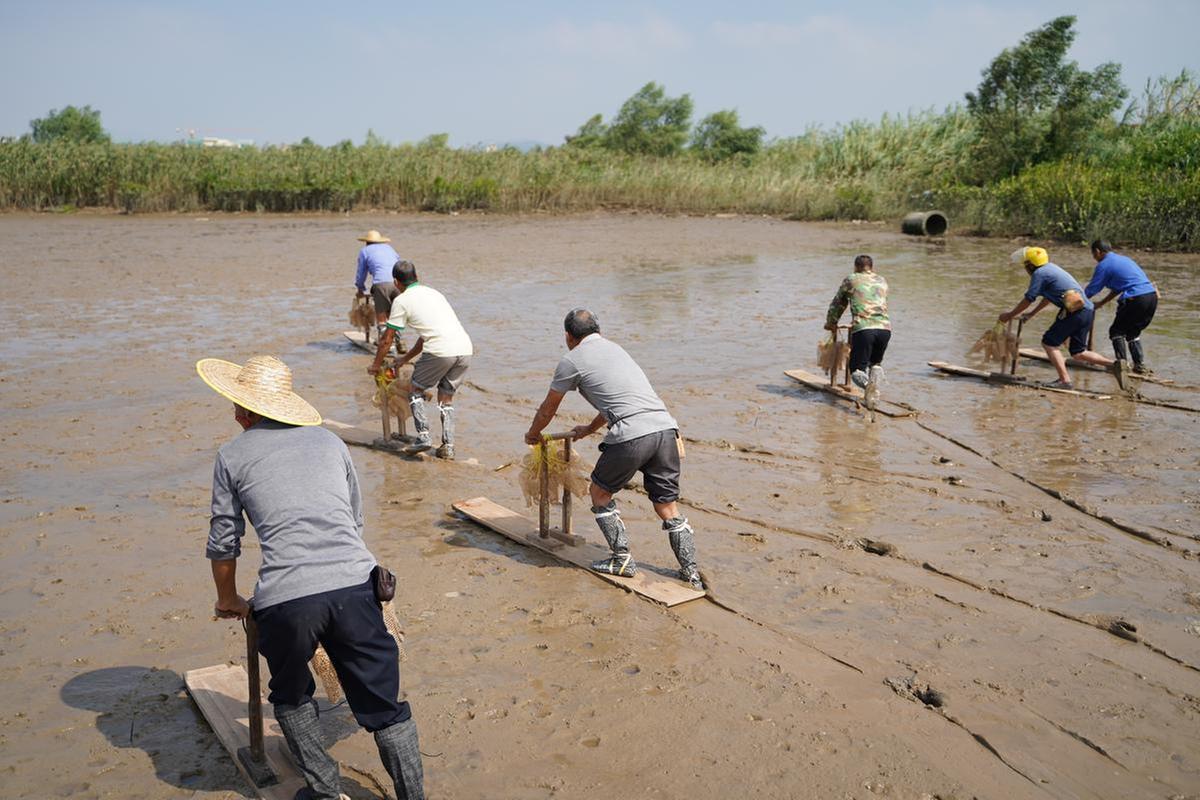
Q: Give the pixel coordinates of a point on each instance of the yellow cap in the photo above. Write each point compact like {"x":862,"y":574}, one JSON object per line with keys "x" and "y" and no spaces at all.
{"x":1037,"y":256}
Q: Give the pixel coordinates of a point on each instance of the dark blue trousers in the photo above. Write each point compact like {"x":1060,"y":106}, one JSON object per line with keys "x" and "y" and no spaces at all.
{"x":348,"y":623}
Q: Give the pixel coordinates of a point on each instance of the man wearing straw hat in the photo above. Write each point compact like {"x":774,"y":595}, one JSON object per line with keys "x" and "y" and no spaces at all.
{"x":377,"y":258}
{"x":642,"y":437}
{"x":294,"y":481}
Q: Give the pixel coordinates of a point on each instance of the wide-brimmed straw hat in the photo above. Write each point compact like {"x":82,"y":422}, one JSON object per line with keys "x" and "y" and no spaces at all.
{"x":263,"y":385}
{"x":374,"y":237}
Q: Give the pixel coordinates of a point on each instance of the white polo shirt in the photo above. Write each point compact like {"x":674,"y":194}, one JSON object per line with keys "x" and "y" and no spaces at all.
{"x":428,"y":313}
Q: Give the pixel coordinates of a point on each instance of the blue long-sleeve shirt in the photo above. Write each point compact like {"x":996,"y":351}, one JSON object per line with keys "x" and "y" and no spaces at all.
{"x":298,"y":488}
{"x":1120,"y":274}
{"x":377,"y":259}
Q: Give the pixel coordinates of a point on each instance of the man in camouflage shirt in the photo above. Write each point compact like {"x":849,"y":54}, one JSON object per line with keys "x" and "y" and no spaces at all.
{"x":870,"y":329}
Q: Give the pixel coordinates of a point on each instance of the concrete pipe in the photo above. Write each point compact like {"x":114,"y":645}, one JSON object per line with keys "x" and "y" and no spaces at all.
{"x":925,"y":223}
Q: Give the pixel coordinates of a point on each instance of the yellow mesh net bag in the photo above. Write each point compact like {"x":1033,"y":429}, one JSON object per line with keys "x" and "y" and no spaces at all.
{"x":323,"y":667}
{"x":830,"y":357}
{"x":390,"y":389}
{"x":572,"y":476}
{"x":997,"y":344}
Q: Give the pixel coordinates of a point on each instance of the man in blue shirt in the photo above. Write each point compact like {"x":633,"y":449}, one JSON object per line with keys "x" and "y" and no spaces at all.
{"x":1137,"y":300}
{"x":1055,"y":286}
{"x":377,"y":258}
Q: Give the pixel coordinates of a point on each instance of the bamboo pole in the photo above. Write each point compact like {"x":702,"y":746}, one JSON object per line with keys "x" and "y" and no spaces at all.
{"x":566,"y":497}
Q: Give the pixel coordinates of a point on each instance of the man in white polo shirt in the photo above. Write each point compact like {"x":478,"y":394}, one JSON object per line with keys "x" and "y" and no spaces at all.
{"x":443,"y":346}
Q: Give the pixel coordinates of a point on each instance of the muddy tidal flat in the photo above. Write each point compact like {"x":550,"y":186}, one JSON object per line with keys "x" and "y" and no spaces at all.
{"x":996,"y":598}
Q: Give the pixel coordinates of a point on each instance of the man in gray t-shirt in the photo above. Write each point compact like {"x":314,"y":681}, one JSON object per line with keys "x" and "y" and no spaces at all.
{"x":642,"y":437}
{"x":295,"y":483}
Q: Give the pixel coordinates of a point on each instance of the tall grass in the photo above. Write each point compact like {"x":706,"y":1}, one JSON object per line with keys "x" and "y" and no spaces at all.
{"x":1139,"y":184}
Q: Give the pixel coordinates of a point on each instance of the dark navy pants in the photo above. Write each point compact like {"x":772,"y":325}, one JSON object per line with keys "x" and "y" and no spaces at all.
{"x":348,"y":623}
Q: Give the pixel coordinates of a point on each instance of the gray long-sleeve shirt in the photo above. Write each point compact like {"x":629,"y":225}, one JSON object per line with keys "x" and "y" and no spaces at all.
{"x":298,"y":488}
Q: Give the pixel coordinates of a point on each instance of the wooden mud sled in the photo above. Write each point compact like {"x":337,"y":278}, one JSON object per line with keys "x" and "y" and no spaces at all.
{"x":563,"y":544}
{"x":1008,"y":379}
{"x":1040,"y":355}
{"x":230,"y":698}
{"x":360,"y":340}
{"x":847,"y":392}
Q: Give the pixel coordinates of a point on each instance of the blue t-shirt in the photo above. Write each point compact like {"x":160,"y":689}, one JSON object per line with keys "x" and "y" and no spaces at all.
{"x":377,"y":259}
{"x":1051,"y":282}
{"x":1119,"y":274}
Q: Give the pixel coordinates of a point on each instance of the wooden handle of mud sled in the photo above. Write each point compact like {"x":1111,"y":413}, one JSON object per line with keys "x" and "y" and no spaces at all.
{"x":1016,"y":350}
{"x":544,"y":486}
{"x":255,"y":685}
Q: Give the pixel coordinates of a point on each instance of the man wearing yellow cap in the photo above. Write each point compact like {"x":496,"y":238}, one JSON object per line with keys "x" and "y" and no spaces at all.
{"x":1055,"y":286}
{"x":295,"y":483}
{"x":376,"y":258}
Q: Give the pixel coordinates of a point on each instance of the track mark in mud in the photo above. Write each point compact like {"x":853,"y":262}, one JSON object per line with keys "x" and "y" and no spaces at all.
{"x":1110,"y":625}
{"x":1132,"y":530}
{"x":933,"y":700}
{"x":1079,"y":737}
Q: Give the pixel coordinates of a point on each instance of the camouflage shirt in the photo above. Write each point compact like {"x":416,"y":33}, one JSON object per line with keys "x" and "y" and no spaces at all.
{"x":866,"y":294}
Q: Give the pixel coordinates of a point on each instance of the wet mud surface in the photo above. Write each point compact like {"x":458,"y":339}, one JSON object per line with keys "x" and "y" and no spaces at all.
{"x":900,"y":609}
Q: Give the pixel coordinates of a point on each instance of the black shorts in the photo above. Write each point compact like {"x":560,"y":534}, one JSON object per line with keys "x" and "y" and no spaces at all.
{"x":383,"y":294}
{"x":1075,"y":327}
{"x":867,"y":348}
{"x":1133,"y":316}
{"x":656,"y":455}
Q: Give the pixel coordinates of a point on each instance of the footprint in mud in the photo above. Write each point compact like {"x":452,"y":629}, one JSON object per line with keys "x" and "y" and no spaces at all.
{"x":591,"y":741}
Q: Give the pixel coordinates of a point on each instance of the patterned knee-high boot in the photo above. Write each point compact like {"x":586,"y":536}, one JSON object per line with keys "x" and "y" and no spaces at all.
{"x":608,"y":518}
{"x":683,"y":544}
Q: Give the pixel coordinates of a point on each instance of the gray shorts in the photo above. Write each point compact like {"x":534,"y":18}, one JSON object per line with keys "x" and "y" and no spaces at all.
{"x":656,"y":455}
{"x":446,"y":372}
{"x":383,"y":294}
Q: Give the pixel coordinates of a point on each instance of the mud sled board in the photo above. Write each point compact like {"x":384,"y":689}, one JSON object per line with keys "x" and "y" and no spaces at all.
{"x":359,"y":340}
{"x":1005,"y":379}
{"x":1040,"y":355}
{"x":524,"y":530}
{"x":851,"y":393}
{"x":221,"y":693}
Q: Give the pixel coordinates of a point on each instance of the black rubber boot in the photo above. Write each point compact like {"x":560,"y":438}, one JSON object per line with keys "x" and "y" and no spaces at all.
{"x":683,"y":544}
{"x":1118,"y":343}
{"x":1139,"y":358}
{"x":401,"y":756}
{"x":302,"y":731}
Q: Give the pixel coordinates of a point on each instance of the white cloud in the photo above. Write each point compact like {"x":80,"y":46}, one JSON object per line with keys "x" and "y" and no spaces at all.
{"x":607,"y":40}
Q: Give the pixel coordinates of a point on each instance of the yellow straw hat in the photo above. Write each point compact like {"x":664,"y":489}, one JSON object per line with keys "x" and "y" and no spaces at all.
{"x":263,"y":385}
{"x":374,"y":237}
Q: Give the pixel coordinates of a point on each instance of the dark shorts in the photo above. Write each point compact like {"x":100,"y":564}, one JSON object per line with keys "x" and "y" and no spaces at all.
{"x":446,"y":372}
{"x":1133,"y":316}
{"x":1072,"y":326}
{"x":383,"y":294}
{"x":348,"y":623}
{"x":867,"y":348}
{"x":656,"y":455}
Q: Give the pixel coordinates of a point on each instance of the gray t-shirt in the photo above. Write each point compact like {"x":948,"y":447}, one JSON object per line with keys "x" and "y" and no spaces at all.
{"x":298,"y":488}
{"x":615,"y":385}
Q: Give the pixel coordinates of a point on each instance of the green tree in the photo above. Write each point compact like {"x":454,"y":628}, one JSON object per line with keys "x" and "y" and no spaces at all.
{"x":650,"y":123}
{"x":1033,"y":105}
{"x":434,"y":141}
{"x":718,"y":137}
{"x":71,"y":124}
{"x":590,"y":133}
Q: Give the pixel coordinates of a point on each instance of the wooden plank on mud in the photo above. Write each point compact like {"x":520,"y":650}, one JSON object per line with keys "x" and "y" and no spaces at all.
{"x":1075,"y":363}
{"x":851,"y":393}
{"x":1009,"y":380}
{"x":221,"y":692}
{"x":359,"y":340}
{"x":524,"y":530}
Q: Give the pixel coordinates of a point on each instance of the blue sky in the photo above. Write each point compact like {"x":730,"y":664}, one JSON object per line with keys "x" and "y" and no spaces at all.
{"x":532,"y":71}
